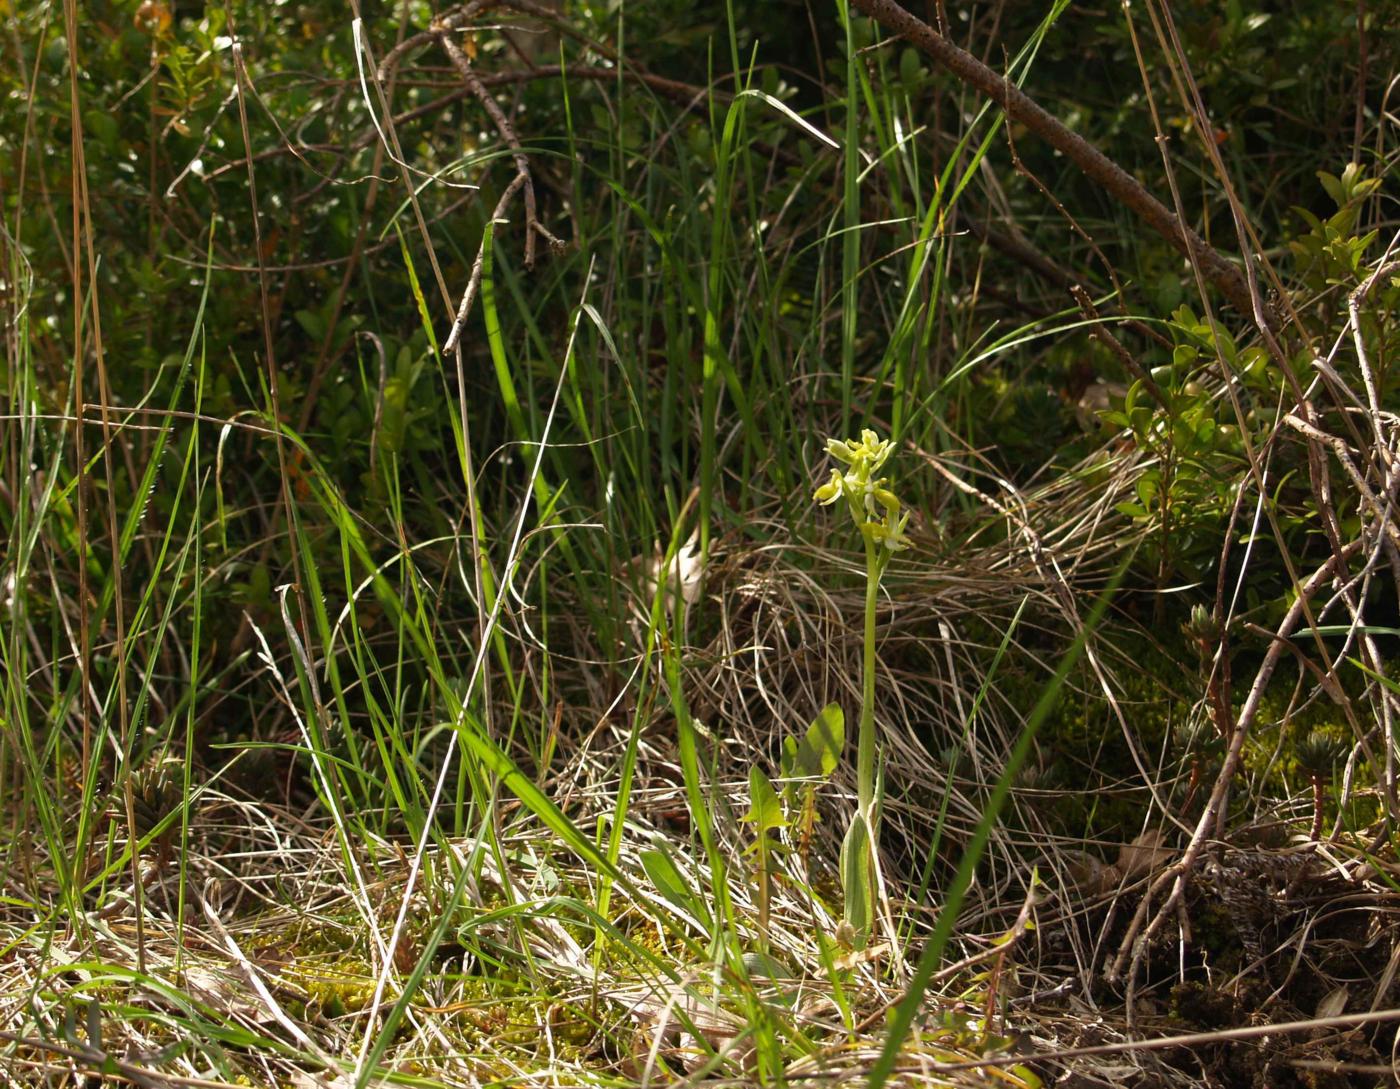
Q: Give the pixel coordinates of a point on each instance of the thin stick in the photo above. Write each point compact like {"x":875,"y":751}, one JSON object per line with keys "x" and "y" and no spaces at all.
{"x":474,"y":280}
{"x":522,"y":180}
{"x":1100,"y":332}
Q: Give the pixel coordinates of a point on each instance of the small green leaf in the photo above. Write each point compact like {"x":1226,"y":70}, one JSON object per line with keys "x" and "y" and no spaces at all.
{"x":669,"y":880}
{"x":789,"y":756}
{"x":765,"y":811}
{"x":312,"y":322}
{"x":909,"y":68}
{"x":819,"y":751}
{"x":1333,"y":185}
{"x":94,"y":1021}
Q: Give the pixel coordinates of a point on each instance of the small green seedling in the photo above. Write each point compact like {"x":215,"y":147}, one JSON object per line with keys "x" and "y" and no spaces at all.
{"x":806,"y":765}
{"x":881,"y":519}
{"x":766,"y":815}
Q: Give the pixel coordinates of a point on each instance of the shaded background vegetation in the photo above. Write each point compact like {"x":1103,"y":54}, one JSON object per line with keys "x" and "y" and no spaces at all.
{"x":747,"y":289}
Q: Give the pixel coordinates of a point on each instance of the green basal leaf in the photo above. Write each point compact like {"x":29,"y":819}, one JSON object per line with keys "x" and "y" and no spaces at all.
{"x":857,"y":879}
{"x":668,"y":879}
{"x":789,"y":760}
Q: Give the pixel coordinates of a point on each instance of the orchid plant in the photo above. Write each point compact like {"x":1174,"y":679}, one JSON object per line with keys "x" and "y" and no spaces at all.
{"x":881,"y":519}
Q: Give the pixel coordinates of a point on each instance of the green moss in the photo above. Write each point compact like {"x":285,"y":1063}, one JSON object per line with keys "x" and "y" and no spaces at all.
{"x":334,"y":984}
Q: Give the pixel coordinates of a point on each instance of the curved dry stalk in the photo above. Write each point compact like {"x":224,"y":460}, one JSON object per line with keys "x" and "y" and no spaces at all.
{"x":688,"y":95}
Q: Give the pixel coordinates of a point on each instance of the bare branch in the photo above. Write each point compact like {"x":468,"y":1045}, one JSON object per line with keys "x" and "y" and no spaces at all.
{"x":1022,"y":108}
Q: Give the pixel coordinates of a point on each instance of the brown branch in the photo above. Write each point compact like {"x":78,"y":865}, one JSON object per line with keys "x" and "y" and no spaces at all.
{"x":444,"y":22}
{"x":522,"y":181}
{"x":1019,"y":107}
{"x":533,"y":226}
{"x":1343,"y":455}
{"x":454,"y":19}
{"x":329,"y":351}
{"x":474,"y":280}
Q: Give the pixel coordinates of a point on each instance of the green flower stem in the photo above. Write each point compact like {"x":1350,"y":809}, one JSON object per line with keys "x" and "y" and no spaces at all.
{"x":868,"y":743}
{"x":881,"y":520}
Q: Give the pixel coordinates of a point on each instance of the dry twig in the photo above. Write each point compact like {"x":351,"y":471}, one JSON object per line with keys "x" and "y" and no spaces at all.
{"x":441,"y":32}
